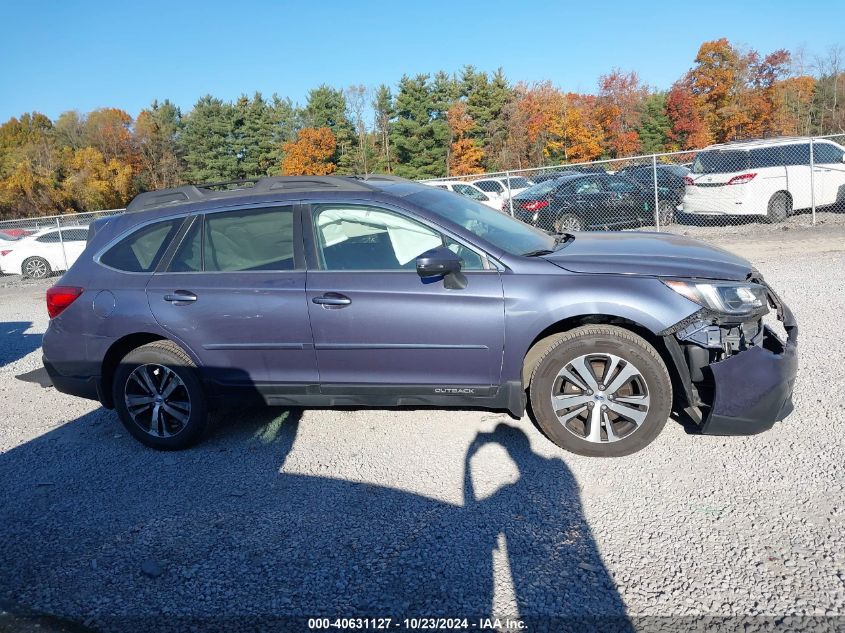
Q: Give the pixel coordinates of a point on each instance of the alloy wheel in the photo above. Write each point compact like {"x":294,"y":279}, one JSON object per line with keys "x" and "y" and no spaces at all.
{"x":35,"y":268}
{"x":600,"y":397}
{"x":157,"y":400}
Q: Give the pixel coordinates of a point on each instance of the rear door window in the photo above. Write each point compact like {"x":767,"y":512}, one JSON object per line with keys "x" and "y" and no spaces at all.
{"x":720,"y":162}
{"x":48,"y":238}
{"x":587,"y":186}
{"x":75,"y":235}
{"x":766,"y":157}
{"x":796,"y":154}
{"x":490,"y":186}
{"x":254,"y":239}
{"x":141,"y":251}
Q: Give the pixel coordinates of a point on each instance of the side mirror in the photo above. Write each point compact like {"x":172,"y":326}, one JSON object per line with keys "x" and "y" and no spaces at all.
{"x":441,"y":262}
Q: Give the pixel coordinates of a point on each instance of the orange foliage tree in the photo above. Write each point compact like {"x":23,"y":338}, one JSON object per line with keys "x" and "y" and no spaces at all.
{"x":310,"y":154}
{"x":558,"y":126}
{"x":464,"y":155}
{"x":618,"y":111}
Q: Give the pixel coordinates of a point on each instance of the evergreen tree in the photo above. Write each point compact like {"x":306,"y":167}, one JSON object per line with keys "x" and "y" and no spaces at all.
{"x":258,"y":138}
{"x":420,"y":134}
{"x":384,"y":115}
{"x":326,"y":107}
{"x":655,"y":125}
{"x":210,"y":152}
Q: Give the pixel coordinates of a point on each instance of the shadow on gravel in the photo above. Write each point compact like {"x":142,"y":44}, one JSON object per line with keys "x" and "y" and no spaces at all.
{"x":16,"y":343}
{"x":99,"y":530}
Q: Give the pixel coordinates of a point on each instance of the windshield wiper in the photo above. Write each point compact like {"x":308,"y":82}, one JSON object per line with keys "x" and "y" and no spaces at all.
{"x":539,"y":251}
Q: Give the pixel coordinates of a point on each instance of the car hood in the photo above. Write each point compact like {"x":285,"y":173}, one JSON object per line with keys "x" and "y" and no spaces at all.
{"x":653,"y":254}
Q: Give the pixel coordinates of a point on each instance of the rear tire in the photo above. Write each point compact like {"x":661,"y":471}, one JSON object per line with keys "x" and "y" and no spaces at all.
{"x":568,"y":222}
{"x":159,"y":397}
{"x":600,"y":419}
{"x":780,"y":208}
{"x":36,"y":268}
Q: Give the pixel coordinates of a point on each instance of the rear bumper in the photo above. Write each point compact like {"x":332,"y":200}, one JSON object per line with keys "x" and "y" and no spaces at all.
{"x":753,"y":389}
{"x":74,"y":380}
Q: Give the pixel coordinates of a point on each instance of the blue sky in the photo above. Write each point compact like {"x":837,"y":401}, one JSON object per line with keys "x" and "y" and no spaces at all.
{"x":58,"y":56}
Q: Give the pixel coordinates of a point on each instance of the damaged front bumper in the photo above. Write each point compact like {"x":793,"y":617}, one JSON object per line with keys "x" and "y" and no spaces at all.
{"x":733,"y":388}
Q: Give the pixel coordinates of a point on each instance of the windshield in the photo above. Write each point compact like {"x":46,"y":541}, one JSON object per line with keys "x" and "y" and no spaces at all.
{"x":677,"y":170}
{"x":497,"y":228}
{"x":720,"y":162}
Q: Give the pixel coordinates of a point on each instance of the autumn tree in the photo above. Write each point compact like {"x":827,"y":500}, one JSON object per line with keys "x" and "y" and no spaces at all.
{"x":157,"y":131}
{"x":689,"y":128}
{"x":618,"y":110}
{"x":464,"y":155}
{"x":96,"y":182}
{"x":109,"y":130}
{"x":326,"y":107}
{"x":311,"y":154}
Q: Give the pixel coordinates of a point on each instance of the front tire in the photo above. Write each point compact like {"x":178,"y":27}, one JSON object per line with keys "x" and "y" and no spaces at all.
{"x":600,"y":391}
{"x":780,"y":208}
{"x":36,"y":268}
{"x":159,"y":397}
{"x":666,"y":212}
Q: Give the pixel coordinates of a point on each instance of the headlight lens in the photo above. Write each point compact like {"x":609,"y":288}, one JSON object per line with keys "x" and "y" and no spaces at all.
{"x":737,"y":299}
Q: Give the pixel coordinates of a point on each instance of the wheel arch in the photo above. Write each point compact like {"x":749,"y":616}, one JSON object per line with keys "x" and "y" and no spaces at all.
{"x":116,"y":351}
{"x":541,"y":342}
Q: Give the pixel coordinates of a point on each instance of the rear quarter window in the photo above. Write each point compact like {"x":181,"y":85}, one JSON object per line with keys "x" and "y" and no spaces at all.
{"x":142,"y":250}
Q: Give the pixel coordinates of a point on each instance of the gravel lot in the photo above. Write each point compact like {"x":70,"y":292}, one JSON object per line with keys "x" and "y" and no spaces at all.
{"x":428,"y":512}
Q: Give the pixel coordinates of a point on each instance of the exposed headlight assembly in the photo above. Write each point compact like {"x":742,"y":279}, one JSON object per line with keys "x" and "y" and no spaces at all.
{"x":726,"y":297}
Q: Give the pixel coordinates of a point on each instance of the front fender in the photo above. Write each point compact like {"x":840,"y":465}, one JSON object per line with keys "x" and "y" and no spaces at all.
{"x":534,"y":303}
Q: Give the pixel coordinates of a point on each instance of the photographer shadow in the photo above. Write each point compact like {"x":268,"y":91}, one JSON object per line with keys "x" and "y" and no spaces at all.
{"x":237,"y":539}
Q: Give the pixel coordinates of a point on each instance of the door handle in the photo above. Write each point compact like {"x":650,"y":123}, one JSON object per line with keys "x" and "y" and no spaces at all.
{"x":332,"y":299}
{"x":181,"y":297}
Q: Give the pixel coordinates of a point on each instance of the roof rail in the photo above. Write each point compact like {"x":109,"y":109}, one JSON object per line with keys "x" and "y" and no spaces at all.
{"x":236,"y":188}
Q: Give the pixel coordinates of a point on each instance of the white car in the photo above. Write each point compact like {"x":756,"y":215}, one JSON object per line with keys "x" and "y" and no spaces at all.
{"x":469,"y":190}
{"x":44,"y":252}
{"x":770,"y":178}
{"x":499,"y":186}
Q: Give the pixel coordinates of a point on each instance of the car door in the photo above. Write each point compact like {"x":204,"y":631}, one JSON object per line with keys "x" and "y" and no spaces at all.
{"x":493,"y":188}
{"x":73,"y":243}
{"x":592,"y":201}
{"x":828,"y":173}
{"x":626,"y":202}
{"x":796,"y":160}
{"x":234,"y":291}
{"x":377,"y":326}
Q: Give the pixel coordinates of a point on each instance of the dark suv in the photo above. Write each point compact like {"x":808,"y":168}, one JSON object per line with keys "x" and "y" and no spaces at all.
{"x":331,"y":291}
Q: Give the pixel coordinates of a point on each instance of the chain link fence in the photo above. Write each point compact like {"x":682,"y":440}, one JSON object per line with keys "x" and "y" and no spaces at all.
{"x":740,"y":184}
{"x":743,"y":184}
{"x":42,"y":246}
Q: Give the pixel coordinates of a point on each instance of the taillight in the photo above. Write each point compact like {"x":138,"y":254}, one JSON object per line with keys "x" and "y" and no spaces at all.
{"x":6,"y":252}
{"x":689,"y":181}
{"x":535,"y":205}
{"x":741,"y":179}
{"x":59,"y":298}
